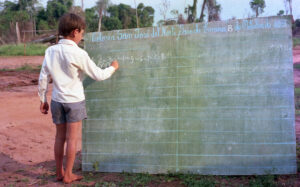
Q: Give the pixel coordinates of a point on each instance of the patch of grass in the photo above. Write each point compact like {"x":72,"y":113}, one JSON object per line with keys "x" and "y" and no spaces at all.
{"x":169,"y":177}
{"x":136,"y":179}
{"x":18,"y":50}
{"x":20,"y":170}
{"x":296,"y":66}
{"x":297,"y":91}
{"x":143,"y":178}
{"x":25,"y":180}
{"x":296,"y":41}
{"x":298,"y":158}
{"x":44,"y":176}
{"x":80,"y":185}
{"x":96,"y":166}
{"x":196,"y":180}
{"x":105,"y":184}
{"x":265,"y":180}
{"x":88,"y":177}
{"x":297,"y":101}
{"x":42,"y":182}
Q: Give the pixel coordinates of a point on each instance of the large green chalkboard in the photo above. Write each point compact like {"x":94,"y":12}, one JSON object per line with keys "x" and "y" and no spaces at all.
{"x":208,"y":98}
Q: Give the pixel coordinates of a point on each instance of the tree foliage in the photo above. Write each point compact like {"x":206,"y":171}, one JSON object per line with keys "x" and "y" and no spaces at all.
{"x":297,"y":23}
{"x":55,"y":9}
{"x":258,"y":6}
{"x":120,"y":16}
{"x":145,"y":15}
{"x":10,"y":14}
{"x":280,"y":13}
{"x":31,"y":15}
{"x":212,"y":8}
{"x":191,"y":11}
{"x":91,"y":19}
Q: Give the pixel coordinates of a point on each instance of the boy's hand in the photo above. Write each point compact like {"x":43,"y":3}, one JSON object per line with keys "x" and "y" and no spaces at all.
{"x":115,"y":64}
{"x":44,"y":108}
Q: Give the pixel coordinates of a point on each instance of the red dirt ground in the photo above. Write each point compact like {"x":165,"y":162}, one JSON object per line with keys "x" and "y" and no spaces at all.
{"x":27,"y":136}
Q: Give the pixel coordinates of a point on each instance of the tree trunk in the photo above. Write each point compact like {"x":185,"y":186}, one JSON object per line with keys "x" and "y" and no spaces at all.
{"x":291,"y":10}
{"x":18,"y":33}
{"x":291,"y":6}
{"x":202,"y":11}
{"x":2,"y":41}
{"x":256,"y":12}
{"x":136,"y":15}
{"x":100,"y":19}
{"x":194,"y":11}
{"x":34,"y":27}
{"x":210,"y":7}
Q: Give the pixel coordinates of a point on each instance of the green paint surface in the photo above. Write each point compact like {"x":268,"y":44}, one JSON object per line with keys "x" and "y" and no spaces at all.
{"x":208,"y":98}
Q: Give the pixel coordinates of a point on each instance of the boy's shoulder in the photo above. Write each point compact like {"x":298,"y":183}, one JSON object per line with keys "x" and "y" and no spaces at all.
{"x":67,"y":49}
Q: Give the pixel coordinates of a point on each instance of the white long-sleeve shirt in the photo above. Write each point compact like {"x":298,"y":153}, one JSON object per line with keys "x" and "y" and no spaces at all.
{"x":66,"y":64}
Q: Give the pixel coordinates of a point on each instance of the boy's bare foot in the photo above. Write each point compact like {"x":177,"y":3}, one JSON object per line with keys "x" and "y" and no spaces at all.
{"x":73,"y":177}
{"x":60,"y":175}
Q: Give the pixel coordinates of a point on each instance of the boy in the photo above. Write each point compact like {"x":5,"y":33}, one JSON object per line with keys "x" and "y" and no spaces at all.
{"x":65,"y":63}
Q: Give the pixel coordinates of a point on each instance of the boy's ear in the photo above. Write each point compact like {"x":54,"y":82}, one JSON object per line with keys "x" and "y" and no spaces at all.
{"x":73,"y":32}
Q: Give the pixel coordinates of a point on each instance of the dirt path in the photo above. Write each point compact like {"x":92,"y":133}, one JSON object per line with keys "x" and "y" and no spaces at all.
{"x":26,"y":136}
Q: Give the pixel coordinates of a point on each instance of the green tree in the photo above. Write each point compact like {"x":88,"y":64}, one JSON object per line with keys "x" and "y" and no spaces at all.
{"x":192,"y":12}
{"x":211,"y":6}
{"x":12,"y":16}
{"x":125,"y":14}
{"x":145,"y":15}
{"x":280,"y":13}
{"x":258,"y":6}
{"x":42,"y":23}
{"x":55,"y":9}
{"x":201,"y":19}
{"x":111,"y":23}
{"x":297,"y":23}
{"x":91,"y":19}
{"x":28,"y":5}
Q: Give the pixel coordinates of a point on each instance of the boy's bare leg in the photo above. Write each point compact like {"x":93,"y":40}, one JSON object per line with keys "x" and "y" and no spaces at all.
{"x":73,"y":130}
{"x":60,"y":139}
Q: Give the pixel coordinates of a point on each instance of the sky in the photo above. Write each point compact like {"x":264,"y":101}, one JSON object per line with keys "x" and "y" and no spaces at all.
{"x":230,"y":8}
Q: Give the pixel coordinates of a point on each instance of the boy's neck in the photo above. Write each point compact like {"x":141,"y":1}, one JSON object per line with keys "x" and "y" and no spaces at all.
{"x":70,"y":38}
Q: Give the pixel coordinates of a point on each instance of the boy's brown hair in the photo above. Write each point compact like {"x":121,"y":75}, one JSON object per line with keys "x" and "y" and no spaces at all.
{"x":69,"y":22}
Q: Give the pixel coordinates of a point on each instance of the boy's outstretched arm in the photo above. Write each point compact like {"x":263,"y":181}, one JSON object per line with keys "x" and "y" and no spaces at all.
{"x":92,"y":70}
